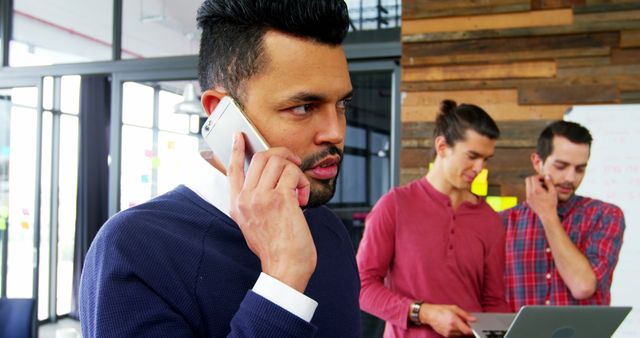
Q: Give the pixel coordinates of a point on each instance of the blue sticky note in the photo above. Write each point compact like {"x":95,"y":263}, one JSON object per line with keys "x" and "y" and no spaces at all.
{"x":144,"y":178}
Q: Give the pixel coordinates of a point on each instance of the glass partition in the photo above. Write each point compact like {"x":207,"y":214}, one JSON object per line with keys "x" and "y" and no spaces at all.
{"x":60,"y":31}
{"x":17,"y":188}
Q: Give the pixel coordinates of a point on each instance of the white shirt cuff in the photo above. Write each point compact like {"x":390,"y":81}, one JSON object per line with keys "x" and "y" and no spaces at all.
{"x":285,"y":297}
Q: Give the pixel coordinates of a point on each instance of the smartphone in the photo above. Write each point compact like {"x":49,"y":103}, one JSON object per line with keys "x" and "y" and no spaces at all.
{"x":226,"y":120}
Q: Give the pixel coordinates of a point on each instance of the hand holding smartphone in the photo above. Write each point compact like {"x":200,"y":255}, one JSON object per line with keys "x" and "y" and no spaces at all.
{"x":226,"y":120}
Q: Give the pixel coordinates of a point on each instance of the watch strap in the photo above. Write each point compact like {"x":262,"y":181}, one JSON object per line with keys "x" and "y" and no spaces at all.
{"x":414,"y":313}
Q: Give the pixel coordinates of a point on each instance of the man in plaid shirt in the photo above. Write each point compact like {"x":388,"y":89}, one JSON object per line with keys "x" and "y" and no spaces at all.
{"x":561,"y":248}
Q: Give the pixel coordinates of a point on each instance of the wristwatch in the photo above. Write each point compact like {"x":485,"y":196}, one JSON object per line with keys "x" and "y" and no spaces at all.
{"x":414,"y":313}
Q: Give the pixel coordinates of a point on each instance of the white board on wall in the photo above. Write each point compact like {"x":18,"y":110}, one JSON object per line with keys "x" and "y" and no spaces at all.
{"x":613,"y":175}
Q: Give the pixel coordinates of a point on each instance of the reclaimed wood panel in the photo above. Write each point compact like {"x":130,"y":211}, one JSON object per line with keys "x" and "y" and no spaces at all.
{"x":499,"y":112}
{"x":566,"y":76}
{"x":511,"y":45}
{"x":596,"y":59}
{"x":409,"y":174}
{"x":630,"y":97}
{"x":626,"y":56}
{"x":477,"y":97}
{"x":625,"y":76}
{"x":583,"y":61}
{"x":415,"y":157}
{"x":543,"y":18}
{"x":409,"y":61}
{"x":630,"y":38}
{"x":513,"y":134}
{"x":548,"y":4}
{"x":417,"y":7}
{"x":509,"y":159}
{"x":568,"y":94}
{"x":531,"y":69}
{"x":513,"y":6}
{"x":584,"y":23}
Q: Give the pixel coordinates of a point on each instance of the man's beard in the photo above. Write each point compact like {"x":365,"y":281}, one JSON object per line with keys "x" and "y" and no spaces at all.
{"x":321,"y":191}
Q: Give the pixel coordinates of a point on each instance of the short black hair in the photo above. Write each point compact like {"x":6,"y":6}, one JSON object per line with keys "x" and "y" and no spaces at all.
{"x":572,"y":131}
{"x":231,"y":48}
{"x":453,"y":120}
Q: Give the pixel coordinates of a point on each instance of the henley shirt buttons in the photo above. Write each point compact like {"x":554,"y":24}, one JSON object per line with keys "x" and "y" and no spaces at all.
{"x":547,"y":302}
{"x":548,"y":276}
{"x":548,"y":250}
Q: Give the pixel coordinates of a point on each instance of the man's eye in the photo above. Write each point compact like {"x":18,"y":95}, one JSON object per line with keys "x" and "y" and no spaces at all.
{"x":302,"y":109}
{"x":343,"y":105}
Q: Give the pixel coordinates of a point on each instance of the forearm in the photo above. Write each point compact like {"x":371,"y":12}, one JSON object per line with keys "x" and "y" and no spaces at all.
{"x":384,"y":303}
{"x":573,"y":266}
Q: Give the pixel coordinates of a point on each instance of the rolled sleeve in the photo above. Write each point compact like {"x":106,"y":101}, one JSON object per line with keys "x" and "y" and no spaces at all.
{"x":604,"y":244}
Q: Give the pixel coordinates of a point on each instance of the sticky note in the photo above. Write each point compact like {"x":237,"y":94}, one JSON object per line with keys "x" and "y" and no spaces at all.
{"x":171,"y":145}
{"x":155,"y":162}
{"x":479,"y":188}
{"x":144,"y":178}
{"x":25,"y":211}
{"x":24,"y":225}
{"x":482,"y":176}
{"x":3,"y":224}
{"x":148,"y":153}
{"x":499,"y":203}
{"x":4,"y":211}
{"x":5,"y":151}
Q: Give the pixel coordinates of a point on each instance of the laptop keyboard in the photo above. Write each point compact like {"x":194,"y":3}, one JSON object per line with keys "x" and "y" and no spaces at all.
{"x":494,"y":333}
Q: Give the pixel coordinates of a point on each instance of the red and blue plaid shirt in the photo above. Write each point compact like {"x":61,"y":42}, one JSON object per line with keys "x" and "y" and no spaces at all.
{"x":531,"y":277}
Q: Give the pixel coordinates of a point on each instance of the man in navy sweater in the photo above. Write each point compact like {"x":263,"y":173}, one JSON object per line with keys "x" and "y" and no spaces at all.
{"x":235,"y":254}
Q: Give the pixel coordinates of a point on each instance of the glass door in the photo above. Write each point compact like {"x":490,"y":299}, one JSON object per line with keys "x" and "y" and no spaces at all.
{"x":19,"y":178}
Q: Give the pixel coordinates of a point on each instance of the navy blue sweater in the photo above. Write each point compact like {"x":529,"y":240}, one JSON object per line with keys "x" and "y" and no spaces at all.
{"x":178,"y":267}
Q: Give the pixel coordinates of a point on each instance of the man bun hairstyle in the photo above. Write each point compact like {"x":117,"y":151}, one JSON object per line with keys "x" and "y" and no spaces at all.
{"x":231,"y":48}
{"x":572,"y":131}
{"x":453,"y":120}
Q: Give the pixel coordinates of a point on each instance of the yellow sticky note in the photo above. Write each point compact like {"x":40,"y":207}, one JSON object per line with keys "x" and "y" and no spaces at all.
{"x":4,"y":211}
{"x":499,"y":203}
{"x":482,"y":176}
{"x":171,"y":145}
{"x":155,"y":162}
{"x":24,"y":225}
{"x":3,"y":224}
{"x":479,"y":188}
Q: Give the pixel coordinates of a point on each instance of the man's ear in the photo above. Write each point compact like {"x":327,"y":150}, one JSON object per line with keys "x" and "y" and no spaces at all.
{"x":440,"y":144}
{"x":210,"y":99}
{"x":537,"y":163}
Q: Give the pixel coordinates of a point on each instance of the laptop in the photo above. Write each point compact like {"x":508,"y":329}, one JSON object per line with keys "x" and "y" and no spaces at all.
{"x":551,"y":322}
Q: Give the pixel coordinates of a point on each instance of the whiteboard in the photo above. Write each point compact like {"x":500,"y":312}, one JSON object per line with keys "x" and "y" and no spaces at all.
{"x":613,"y":175}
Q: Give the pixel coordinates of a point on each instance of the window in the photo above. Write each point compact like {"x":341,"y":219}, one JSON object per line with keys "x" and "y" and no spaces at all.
{"x":153,"y":28}
{"x":157,"y":144}
{"x":60,"y":31}
{"x":365,"y":172}
{"x":17,"y":187}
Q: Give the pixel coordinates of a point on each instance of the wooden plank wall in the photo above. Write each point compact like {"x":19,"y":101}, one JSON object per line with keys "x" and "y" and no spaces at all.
{"x":524,"y":61}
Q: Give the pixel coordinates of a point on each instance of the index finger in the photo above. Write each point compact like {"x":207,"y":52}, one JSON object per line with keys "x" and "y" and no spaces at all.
{"x":464,"y":314}
{"x":235,"y":172}
{"x":464,"y":328}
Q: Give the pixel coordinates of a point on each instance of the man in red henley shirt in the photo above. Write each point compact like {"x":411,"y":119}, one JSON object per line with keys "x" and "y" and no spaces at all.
{"x":432,"y":251}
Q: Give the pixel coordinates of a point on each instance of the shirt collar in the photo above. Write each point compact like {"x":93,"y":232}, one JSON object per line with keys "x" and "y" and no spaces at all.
{"x":565,"y":207}
{"x":444,"y":198}
{"x":209,"y":183}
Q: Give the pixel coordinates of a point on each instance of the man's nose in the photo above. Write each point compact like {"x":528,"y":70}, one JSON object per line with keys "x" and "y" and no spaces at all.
{"x":331,"y":128}
{"x":571,"y":175}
